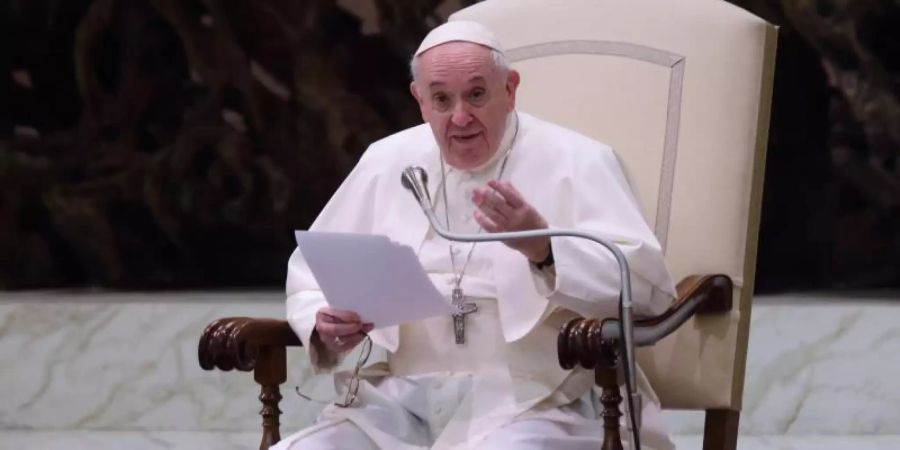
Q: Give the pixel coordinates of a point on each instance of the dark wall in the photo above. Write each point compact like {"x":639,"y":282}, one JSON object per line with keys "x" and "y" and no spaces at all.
{"x":831,"y":208}
{"x":177,"y":143}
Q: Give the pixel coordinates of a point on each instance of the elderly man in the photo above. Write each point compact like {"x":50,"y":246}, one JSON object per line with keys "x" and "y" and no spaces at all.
{"x":495,"y":383}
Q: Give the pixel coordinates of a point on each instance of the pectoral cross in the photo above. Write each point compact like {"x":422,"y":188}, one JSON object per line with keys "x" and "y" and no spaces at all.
{"x":459,"y":317}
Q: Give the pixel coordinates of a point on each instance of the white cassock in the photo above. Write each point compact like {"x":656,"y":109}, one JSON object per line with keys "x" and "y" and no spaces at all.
{"x":503,"y":388}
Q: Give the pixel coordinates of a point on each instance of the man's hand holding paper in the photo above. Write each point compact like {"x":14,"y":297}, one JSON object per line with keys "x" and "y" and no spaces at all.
{"x":369,"y":282}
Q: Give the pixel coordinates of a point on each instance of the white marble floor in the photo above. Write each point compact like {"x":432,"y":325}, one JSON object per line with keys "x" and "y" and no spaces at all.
{"x":851,"y":442}
{"x":127,"y":440}
{"x":84,"y":370}
{"x":221,"y":440}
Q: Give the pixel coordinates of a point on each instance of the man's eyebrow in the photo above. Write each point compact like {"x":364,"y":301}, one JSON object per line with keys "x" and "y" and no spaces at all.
{"x":475,"y":79}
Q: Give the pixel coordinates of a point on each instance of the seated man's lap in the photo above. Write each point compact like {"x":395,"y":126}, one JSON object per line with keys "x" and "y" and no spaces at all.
{"x":337,"y":436}
{"x":373,"y":423}
{"x":575,"y":426}
{"x":538,"y":434}
{"x":560,"y":428}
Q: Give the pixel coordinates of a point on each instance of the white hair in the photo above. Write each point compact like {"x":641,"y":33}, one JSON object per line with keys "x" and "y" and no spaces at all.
{"x":499,"y":58}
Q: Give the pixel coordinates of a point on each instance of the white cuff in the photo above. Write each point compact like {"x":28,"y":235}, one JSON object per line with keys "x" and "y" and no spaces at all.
{"x":301,"y":315}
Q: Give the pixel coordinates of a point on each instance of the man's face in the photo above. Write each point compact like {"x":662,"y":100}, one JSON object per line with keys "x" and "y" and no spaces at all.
{"x":465,"y":98}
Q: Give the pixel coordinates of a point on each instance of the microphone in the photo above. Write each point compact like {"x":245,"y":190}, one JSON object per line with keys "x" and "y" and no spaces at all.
{"x":415,"y":179}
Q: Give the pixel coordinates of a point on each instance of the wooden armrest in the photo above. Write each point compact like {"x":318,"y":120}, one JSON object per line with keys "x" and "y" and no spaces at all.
{"x":717,"y":288}
{"x":581,"y":339}
{"x":235,"y":342}
{"x":705,"y":294}
{"x":260,"y":345}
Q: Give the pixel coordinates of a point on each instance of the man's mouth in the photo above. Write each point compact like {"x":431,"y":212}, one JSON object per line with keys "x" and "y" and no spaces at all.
{"x":465,"y":137}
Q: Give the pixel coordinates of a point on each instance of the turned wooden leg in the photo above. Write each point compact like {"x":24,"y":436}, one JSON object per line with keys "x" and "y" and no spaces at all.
{"x":720,"y":432}
{"x":270,"y":372}
{"x":606,"y":376}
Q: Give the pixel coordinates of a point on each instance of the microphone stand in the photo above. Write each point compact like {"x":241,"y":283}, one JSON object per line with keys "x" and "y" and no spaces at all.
{"x":415,"y":179}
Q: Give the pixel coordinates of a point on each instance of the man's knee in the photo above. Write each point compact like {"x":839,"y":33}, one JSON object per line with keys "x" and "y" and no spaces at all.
{"x":337,"y":436}
{"x":537,"y":434}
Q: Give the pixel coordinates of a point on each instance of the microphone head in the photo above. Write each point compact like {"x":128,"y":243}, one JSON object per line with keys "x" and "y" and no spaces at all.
{"x":415,"y":180}
{"x":406,"y":179}
{"x":413,"y":173}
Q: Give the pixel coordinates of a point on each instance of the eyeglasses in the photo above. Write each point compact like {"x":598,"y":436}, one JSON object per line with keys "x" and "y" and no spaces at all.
{"x":353,"y":387}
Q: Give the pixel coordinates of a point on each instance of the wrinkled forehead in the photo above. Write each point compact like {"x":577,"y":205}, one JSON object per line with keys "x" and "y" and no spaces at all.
{"x":457,"y":62}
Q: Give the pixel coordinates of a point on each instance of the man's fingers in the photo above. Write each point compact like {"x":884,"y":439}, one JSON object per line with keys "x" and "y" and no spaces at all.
{"x":498,"y":201}
{"x":334,"y":315}
{"x":350,"y":341}
{"x":330,"y":330}
{"x":479,"y":197}
{"x":491,"y":213}
{"x":486,"y":223}
{"x":489,"y":199}
{"x":346,"y":342}
{"x":509,"y":193}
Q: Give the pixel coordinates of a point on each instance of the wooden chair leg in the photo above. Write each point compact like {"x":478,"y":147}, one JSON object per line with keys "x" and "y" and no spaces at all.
{"x":606,"y":376}
{"x":720,"y":432}
{"x":270,"y":372}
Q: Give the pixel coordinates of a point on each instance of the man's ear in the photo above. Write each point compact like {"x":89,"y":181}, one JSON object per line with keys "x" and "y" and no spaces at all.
{"x":414,"y":92}
{"x":419,"y":100}
{"x":512,"y":84}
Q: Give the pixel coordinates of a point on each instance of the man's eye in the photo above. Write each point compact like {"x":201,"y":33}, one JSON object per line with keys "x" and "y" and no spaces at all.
{"x":477,"y":96}
{"x":440,"y":102}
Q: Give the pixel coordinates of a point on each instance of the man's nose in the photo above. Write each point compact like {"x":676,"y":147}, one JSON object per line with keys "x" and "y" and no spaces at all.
{"x":461,"y":115}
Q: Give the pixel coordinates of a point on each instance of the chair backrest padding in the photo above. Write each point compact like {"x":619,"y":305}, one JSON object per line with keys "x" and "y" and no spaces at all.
{"x":681,"y":90}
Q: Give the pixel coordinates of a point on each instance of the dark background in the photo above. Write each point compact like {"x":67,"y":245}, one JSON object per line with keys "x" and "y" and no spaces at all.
{"x":177,"y":143}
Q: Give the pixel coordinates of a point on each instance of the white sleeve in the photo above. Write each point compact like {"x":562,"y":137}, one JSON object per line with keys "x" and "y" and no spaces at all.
{"x":586,"y":275}
{"x":349,"y":210}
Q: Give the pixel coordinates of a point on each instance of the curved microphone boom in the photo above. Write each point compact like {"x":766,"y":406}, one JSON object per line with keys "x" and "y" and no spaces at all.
{"x":415,"y":179}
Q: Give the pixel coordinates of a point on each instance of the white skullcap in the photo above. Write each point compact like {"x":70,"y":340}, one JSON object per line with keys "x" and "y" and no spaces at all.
{"x":460,"y":31}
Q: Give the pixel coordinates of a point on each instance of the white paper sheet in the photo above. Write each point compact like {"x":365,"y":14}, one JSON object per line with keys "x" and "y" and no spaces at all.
{"x":369,"y":274}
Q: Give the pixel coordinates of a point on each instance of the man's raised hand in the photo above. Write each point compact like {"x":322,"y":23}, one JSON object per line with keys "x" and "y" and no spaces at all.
{"x":500,"y":207}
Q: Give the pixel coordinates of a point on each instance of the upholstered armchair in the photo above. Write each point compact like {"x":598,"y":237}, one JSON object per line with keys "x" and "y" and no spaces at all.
{"x":681,"y":90}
